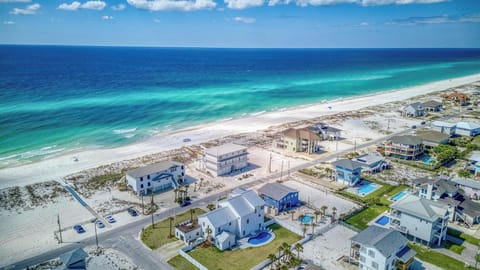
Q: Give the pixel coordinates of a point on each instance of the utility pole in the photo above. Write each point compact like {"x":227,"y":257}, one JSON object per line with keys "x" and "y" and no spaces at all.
{"x":281,"y":171}
{"x":288,"y":170}
{"x":355,"y":146}
{"x":59,"y":228}
{"x":153,"y":224}
{"x":143,"y":207}
{"x":270,"y":164}
{"x":96,"y":236}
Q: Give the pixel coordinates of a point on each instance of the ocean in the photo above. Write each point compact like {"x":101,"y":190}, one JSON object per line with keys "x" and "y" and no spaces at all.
{"x":55,"y":99}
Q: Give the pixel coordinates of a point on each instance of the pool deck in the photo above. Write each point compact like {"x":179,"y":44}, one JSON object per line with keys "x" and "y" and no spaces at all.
{"x":355,"y":189}
{"x":243,"y":243}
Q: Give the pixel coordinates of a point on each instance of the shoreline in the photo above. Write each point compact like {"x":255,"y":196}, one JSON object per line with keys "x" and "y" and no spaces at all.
{"x":54,"y":168}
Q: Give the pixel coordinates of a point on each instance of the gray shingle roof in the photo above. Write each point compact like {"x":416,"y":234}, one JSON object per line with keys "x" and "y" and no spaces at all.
{"x":386,"y":241}
{"x":224,"y":236}
{"x":153,"y":168}
{"x":432,"y":103}
{"x":416,"y":106}
{"x":474,"y":156}
{"x":220,"y":216}
{"x":276,"y":191}
{"x":467,"y":182}
{"x":370,"y":158}
{"x":405,"y":254}
{"x":406,"y":139}
{"x":420,"y":207}
{"x":73,"y":257}
{"x":347,"y":164}
{"x":224,"y":149}
{"x":432,"y":136}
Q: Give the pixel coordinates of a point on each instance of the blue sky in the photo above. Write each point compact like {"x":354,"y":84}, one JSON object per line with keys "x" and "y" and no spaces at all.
{"x":243,"y":23}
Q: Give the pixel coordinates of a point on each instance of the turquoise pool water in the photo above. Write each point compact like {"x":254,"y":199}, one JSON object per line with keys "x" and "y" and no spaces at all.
{"x":366,"y":188}
{"x":260,"y":238}
{"x":428,"y":160}
{"x":306,"y":219}
{"x":398,"y":196}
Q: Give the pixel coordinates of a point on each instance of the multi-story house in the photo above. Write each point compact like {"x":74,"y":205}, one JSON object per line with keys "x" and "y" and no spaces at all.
{"x":301,"y":140}
{"x":432,"y":138}
{"x":444,"y":127}
{"x":377,"y":248}
{"x":420,"y":219}
{"x":347,"y":171}
{"x":405,"y":147}
{"x":372,"y":162}
{"x":413,"y":110}
{"x":225,"y":159}
{"x":474,"y":163}
{"x":279,"y":197}
{"x":156,"y":177}
{"x":239,"y":216}
{"x":432,"y":106}
{"x":467,"y":129}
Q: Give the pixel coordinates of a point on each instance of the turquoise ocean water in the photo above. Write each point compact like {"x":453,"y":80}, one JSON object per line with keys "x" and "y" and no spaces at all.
{"x":56,"y":99}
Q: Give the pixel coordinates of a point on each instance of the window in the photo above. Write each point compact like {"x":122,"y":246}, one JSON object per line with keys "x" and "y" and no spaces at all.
{"x":141,"y":178}
{"x":230,"y":223}
{"x":148,"y":176}
{"x":149,"y":184}
{"x":375,"y":265}
{"x":371,"y":253}
{"x":141,"y":186}
{"x":363,"y":250}
{"x":362,"y":258}
{"x":248,"y":221}
{"x":243,"y":232}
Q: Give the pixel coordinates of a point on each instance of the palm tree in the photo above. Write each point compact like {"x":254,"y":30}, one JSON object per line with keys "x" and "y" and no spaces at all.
{"x":192,"y":211}
{"x":283,"y":267}
{"x":176,"y":194}
{"x":210,"y":206}
{"x":292,"y":212}
{"x":209,"y":231}
{"x":286,"y":249}
{"x":313,"y":227}
{"x":288,"y":255}
{"x":304,"y":229}
{"x":299,"y":248}
{"x":334,"y":212}
{"x":186,"y":191}
{"x":272,"y":258}
{"x":195,"y":186}
{"x":171,"y":220}
{"x":324,"y":210}
{"x":342,"y":216}
{"x":279,"y":249}
{"x":316,"y":213}
{"x":301,"y":217}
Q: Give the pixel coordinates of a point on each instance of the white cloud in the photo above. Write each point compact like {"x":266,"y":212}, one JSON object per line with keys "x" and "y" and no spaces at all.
{"x":180,"y":5}
{"x":29,"y":10}
{"x":15,"y":1}
{"x":466,"y":18}
{"x":119,"y":7}
{"x":156,"y":21}
{"x":244,"y":19}
{"x":363,"y":24}
{"x":8,"y":22}
{"x":242,"y":4}
{"x":75,"y":5}
{"x":72,"y":6}
{"x":107,"y":17}
{"x":304,"y":3}
{"x":95,"y":5}
{"x":397,"y":2}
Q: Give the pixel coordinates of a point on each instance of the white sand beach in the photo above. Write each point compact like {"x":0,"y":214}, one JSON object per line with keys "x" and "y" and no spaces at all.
{"x":57,"y":167}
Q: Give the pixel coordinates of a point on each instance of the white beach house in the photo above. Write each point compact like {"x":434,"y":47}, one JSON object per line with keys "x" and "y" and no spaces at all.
{"x":467,"y":129}
{"x":420,"y":219}
{"x":156,"y":177}
{"x":444,"y":127}
{"x":225,"y":159}
{"x":239,"y":216}
{"x":377,"y":248}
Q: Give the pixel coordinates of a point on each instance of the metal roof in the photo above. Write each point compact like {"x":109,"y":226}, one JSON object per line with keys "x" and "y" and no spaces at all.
{"x":467,"y":182}
{"x":370,"y":158}
{"x":153,"y":168}
{"x":432,"y":136}
{"x":406,"y":139}
{"x":443,"y":124}
{"x":432,"y":103}
{"x":347,"y":164}
{"x":475,"y":156}
{"x":420,"y":207}
{"x":386,"y":241}
{"x":468,"y":125}
{"x":224,"y":149}
{"x":73,"y":257}
{"x":276,"y":191}
{"x":416,"y":106}
{"x":219,"y":216}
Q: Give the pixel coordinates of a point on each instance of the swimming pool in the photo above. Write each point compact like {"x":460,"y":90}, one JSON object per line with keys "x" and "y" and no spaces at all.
{"x":260,"y":238}
{"x":366,"y":187}
{"x":307,"y":218}
{"x":382,"y":221}
{"x":398,"y":196}
{"x":428,"y":160}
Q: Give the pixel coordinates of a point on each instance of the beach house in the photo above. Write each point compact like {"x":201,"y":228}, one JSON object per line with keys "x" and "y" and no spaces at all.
{"x":75,"y":259}
{"x":372,"y":162}
{"x":377,"y":248}
{"x":420,"y":219}
{"x":405,"y":147}
{"x":301,"y":140}
{"x":460,"y":98}
{"x":238,"y":216}
{"x":328,"y":132}
{"x":474,"y":163}
{"x":470,"y":187}
{"x":278,"y":197}
{"x":432,"y":138}
{"x":225,"y":159}
{"x":189,"y":231}
{"x":413,"y":110}
{"x":347,"y":171}
{"x":156,"y":177}
{"x":467,"y":129}
{"x":432,"y":106}
{"x":444,"y":127}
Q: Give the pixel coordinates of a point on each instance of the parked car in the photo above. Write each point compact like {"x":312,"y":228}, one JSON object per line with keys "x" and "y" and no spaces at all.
{"x":185,"y":203}
{"x":423,"y":123}
{"x":132,"y":212}
{"x":414,"y":127}
{"x":186,"y":140}
{"x":78,"y":228}
{"x":99,"y":224}
{"x":110,"y":219}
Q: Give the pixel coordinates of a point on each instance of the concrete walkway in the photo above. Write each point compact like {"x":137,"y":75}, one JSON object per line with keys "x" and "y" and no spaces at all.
{"x":468,"y":254}
{"x":170,"y":250}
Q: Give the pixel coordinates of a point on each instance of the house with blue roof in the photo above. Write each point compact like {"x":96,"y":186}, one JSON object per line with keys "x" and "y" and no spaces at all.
{"x":279,"y":197}
{"x":347,"y":171}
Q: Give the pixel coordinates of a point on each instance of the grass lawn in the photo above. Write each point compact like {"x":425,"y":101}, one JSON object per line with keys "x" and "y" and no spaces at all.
{"x":361,"y":219}
{"x":239,"y":259}
{"x":465,"y":237}
{"x":453,"y":247}
{"x":178,"y":262}
{"x":157,"y":237}
{"x":437,"y":258}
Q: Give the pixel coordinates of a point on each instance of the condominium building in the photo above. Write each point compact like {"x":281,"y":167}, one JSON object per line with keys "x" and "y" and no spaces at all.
{"x":225,"y":159}
{"x":405,"y":147}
